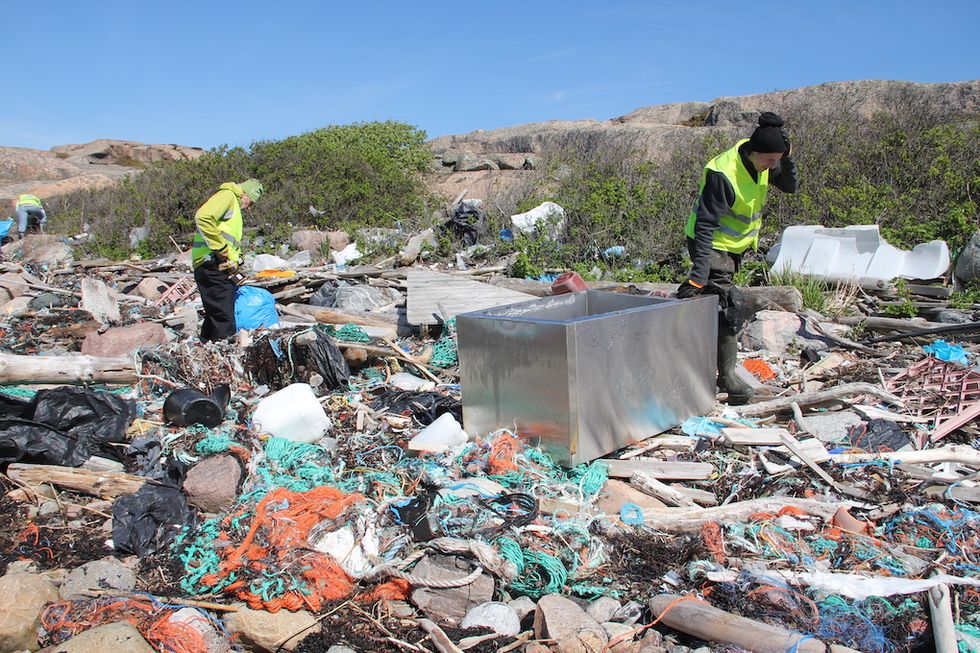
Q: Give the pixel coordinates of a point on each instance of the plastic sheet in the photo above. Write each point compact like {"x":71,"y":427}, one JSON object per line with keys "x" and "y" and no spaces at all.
{"x":149,"y":520}
{"x":64,"y":426}
{"x":426,"y":407}
{"x":945,"y":351}
{"x":467,"y":222}
{"x":856,"y":253}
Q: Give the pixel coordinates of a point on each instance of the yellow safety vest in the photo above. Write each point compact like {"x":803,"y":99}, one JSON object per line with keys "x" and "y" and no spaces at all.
{"x":739,"y":228}
{"x":28,"y":200}
{"x":225,"y":207}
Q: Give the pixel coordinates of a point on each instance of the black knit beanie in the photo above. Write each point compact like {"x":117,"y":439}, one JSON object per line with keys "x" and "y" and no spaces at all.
{"x":768,"y":137}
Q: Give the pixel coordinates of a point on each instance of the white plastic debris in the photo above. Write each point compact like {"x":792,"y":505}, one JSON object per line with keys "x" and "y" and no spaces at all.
{"x":353,"y":549}
{"x":856,"y":253}
{"x":346,"y":255}
{"x":546,"y":219}
{"x":444,"y":433}
{"x":406,"y":381}
{"x":264,"y":262}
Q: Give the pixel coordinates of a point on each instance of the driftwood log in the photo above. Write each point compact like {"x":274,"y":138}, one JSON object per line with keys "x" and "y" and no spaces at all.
{"x":887,"y":323}
{"x":105,"y":485}
{"x":690,"y":520}
{"x":66,"y":369}
{"x":836,"y":393}
{"x":707,"y":622}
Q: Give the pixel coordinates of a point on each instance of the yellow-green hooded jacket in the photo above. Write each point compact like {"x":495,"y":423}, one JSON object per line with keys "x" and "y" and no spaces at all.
{"x":28,"y":200}
{"x":219,"y":225}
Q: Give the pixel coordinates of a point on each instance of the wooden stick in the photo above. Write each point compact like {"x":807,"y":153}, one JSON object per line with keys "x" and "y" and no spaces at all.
{"x":66,"y":369}
{"x":836,"y":393}
{"x":521,"y":640}
{"x":793,"y":445}
{"x":105,"y":485}
{"x":707,"y":622}
{"x":662,"y":491}
{"x":957,"y":453}
{"x":204,"y":605}
{"x":438,"y":637}
{"x":689,"y":520}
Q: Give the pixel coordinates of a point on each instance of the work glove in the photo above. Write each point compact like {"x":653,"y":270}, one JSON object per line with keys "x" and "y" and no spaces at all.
{"x":225,"y":264}
{"x":687,"y":290}
{"x":789,"y":147}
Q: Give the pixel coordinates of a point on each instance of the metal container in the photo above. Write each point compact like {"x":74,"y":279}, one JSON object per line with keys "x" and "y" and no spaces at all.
{"x":585,"y":374}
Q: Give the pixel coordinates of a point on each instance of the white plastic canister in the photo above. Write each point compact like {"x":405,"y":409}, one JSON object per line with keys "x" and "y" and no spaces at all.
{"x":293,"y":413}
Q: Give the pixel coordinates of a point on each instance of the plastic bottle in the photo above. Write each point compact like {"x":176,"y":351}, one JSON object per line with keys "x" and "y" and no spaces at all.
{"x":293,"y":413}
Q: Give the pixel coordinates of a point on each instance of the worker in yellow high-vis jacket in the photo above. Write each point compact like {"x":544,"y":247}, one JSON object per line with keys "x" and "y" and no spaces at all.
{"x":30,"y":214}
{"x":725,"y":221}
{"x":216,"y":253}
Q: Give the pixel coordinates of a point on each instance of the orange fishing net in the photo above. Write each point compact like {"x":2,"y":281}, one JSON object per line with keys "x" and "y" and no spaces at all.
{"x":64,"y":619}
{"x":275,"y":552}
{"x":714,"y":541}
{"x":760,"y":369}
{"x":503,"y":451}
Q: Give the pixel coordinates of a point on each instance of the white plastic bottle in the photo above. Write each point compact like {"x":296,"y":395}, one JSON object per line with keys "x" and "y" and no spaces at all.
{"x":293,"y":413}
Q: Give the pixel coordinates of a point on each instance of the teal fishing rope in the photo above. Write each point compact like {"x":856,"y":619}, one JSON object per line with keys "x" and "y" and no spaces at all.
{"x":444,"y":351}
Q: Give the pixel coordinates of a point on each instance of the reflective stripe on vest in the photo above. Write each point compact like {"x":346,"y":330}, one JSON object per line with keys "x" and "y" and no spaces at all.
{"x":739,"y":228}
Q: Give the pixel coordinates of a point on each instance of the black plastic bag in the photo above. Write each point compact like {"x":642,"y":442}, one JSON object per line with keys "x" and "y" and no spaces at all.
{"x":146,"y":453}
{"x":425,"y":407}
{"x":329,"y":361}
{"x":467,"y":222}
{"x":64,"y":426}
{"x":148,"y":521}
{"x":878,"y":435}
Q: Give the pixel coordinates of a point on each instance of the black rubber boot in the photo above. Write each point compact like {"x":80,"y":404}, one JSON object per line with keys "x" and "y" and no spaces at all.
{"x":739,"y":392}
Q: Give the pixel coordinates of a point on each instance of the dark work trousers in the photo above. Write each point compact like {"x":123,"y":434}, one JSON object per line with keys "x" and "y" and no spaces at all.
{"x":722,"y":268}
{"x":218,"y":296}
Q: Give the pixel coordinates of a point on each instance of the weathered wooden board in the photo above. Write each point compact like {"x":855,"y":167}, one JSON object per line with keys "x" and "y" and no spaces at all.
{"x":434,"y":297}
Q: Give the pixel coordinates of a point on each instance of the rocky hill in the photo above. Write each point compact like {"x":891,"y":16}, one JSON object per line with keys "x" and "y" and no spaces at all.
{"x":65,"y":168}
{"x":482,"y":160}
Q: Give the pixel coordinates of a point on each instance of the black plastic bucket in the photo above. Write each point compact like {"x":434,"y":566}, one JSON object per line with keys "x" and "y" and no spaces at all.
{"x":191,"y":406}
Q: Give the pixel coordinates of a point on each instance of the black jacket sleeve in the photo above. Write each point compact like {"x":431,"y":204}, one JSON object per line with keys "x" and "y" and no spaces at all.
{"x":783,"y":176}
{"x":716,"y":200}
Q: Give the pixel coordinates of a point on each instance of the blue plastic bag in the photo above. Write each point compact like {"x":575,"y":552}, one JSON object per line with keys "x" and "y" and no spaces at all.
{"x":945,"y":351}
{"x":5,"y":226}
{"x":255,"y":308}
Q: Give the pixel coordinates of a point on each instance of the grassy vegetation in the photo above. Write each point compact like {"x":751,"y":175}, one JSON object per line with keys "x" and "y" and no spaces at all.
{"x":813,"y":291}
{"x":910,"y":170}
{"x":359,"y":175}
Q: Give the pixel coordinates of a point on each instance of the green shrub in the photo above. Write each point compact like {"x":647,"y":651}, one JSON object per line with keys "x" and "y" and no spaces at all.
{"x":910,"y":169}
{"x":367,"y":174}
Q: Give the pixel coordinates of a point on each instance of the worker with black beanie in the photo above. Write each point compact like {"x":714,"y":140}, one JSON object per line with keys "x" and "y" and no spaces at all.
{"x":725,"y":222}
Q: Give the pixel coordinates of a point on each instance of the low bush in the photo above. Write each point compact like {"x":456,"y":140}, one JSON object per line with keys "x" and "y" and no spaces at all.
{"x":909,"y":169}
{"x":367,"y":174}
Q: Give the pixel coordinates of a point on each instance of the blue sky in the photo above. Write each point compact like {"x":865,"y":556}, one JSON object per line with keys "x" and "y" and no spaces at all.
{"x":207,"y":73}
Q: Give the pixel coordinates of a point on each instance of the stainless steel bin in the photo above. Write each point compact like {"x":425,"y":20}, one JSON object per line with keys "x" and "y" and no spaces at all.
{"x":588,"y":373}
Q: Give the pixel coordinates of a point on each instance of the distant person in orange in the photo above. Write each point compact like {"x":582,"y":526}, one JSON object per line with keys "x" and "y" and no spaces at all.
{"x":725,"y":222}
